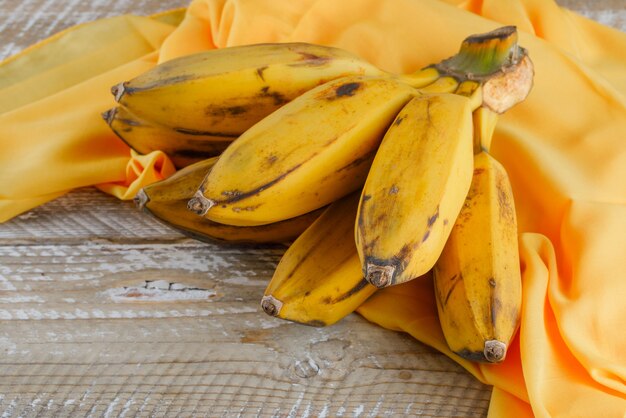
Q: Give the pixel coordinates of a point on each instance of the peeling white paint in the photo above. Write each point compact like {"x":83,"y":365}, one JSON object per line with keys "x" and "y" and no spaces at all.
{"x":296,"y":406}
{"x":243,"y":280}
{"x":5,"y":284}
{"x":22,"y":299}
{"x":111,"y":407}
{"x":379,"y":402}
{"x":358,"y":411}
{"x":269,"y":324}
{"x":7,"y":346}
{"x":160,"y":293}
{"x":324,"y":412}
{"x":8,"y":412}
{"x":34,"y":314}
{"x":126,"y":408}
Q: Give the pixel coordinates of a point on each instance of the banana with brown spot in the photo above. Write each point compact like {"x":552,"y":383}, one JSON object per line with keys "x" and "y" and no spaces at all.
{"x":477,"y":278}
{"x":223,"y":92}
{"x":319,"y":280}
{"x":166,"y":200}
{"x":415,"y":188}
{"x":307,"y":154}
{"x":423,"y":169}
{"x":184,"y":147}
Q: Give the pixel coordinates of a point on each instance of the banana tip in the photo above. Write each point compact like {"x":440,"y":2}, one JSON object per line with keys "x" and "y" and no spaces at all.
{"x":379,"y":276}
{"x":494,"y":351}
{"x":200,"y":204}
{"x":118,"y":91}
{"x":271,"y":305}
{"x":141,"y":199}
{"x":109,"y":115}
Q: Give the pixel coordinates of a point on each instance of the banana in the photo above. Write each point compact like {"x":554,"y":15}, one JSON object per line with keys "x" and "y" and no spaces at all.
{"x":423,"y":169}
{"x":183,"y":147}
{"x":305,"y":155}
{"x":225,"y":91}
{"x":477,"y":277}
{"x":415,"y":188}
{"x":166,"y":200}
{"x":485,"y":121}
{"x":443,"y":84}
{"x":319,"y":280}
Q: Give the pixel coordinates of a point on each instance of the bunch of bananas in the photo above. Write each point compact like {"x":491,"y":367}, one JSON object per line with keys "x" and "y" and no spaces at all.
{"x":377,"y":178}
{"x":193,"y":107}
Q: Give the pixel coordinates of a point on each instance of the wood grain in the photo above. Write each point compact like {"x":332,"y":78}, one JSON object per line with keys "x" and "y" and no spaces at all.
{"x":105,"y":312}
{"x":111,"y":220}
{"x":120,"y":325}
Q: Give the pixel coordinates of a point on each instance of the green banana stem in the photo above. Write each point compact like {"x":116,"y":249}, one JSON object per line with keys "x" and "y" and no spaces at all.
{"x":483,"y":55}
{"x":497,"y":63}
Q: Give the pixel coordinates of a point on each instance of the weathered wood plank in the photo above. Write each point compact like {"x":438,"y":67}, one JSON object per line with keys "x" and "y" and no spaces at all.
{"x":219,"y":353}
{"x":211,"y":366}
{"x":176,"y":327}
{"x":95,"y":266}
{"x":85,"y":214}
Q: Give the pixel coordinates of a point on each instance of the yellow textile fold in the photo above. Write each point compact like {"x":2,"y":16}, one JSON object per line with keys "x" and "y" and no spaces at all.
{"x":140,"y":170}
{"x":52,"y":137}
{"x":564,"y":149}
{"x":539,"y":368}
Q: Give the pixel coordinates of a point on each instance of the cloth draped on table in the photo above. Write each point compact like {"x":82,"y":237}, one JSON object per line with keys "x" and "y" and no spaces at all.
{"x":564,"y":149}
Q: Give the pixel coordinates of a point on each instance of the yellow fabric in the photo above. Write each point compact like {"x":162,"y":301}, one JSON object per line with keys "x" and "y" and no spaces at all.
{"x":52,"y":138}
{"x":564,"y":149}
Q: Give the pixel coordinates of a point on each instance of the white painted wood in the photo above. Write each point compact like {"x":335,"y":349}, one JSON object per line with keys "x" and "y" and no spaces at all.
{"x":23,"y":22}
{"x":175,"y":328}
{"x":135,"y":323}
{"x":87,"y":214}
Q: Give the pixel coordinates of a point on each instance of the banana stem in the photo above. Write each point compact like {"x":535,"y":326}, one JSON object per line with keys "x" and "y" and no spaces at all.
{"x":379,"y":276}
{"x":141,"y":199}
{"x":485,"y":121}
{"x":118,"y":91}
{"x":484,"y":54}
{"x":109,"y":115}
{"x":496,"y":63}
{"x":494,"y":351}
{"x":271,"y":305}
{"x":200,"y":204}
{"x":421,"y":78}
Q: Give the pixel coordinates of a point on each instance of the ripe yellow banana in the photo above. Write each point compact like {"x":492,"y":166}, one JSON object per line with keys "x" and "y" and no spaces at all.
{"x":485,"y":121}
{"x":415,"y":188}
{"x":223,"y":92}
{"x":183,"y":147}
{"x":167,"y":200}
{"x":423,"y":168}
{"x":477,"y":277}
{"x":319,"y":280}
{"x":305,"y":155}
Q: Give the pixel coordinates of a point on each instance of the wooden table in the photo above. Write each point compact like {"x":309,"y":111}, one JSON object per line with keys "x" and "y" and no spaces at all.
{"x":105,"y":312}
